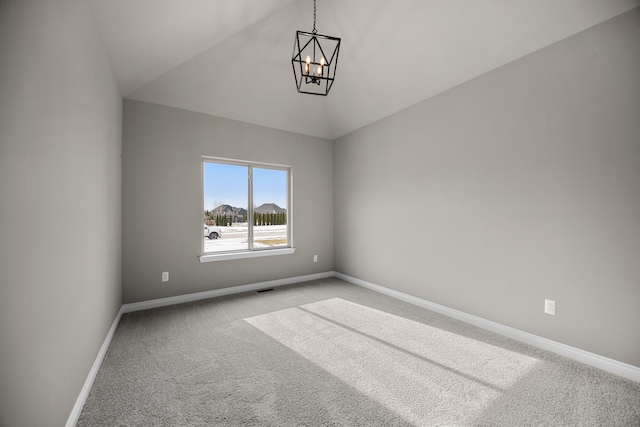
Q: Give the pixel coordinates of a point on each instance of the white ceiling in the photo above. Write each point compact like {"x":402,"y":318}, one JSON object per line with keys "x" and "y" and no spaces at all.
{"x":232,"y":58}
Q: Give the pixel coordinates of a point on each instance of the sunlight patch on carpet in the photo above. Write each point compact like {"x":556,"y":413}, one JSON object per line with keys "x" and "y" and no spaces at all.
{"x":418,"y":371}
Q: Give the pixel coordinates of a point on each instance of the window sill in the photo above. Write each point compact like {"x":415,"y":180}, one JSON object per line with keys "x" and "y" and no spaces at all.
{"x":245,"y":254}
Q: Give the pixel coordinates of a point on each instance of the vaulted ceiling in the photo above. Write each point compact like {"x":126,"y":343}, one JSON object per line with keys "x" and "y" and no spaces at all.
{"x":232,"y":58}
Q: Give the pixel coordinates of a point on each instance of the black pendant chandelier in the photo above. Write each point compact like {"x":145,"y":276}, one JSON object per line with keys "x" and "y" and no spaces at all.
{"x":314,"y":61}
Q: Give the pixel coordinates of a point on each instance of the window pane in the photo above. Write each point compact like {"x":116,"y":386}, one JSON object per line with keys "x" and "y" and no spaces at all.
{"x":225,"y":207}
{"x":270,"y":208}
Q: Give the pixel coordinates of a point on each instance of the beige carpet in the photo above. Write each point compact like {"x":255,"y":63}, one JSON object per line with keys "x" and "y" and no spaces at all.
{"x":331,"y":353}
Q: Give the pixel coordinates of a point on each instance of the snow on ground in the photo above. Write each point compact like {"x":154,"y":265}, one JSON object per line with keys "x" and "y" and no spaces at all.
{"x":234,"y":238}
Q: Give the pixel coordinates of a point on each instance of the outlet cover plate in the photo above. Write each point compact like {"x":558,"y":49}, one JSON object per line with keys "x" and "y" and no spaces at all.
{"x":550,"y":307}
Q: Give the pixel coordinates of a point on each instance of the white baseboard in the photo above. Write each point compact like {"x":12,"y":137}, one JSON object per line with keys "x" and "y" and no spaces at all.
{"x":86,"y":388}
{"x":601,"y":362}
{"x":606,"y":364}
{"x":145,"y":305}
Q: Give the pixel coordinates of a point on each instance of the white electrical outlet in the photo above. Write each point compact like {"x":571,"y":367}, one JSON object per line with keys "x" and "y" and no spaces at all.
{"x":315,"y":258}
{"x":550,"y":307}
{"x":165,"y":276}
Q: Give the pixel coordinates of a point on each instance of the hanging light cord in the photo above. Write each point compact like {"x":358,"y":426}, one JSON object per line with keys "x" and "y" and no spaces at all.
{"x":314,"y":17}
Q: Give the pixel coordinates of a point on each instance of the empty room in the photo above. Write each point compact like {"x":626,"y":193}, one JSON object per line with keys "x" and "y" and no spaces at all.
{"x":415,"y":213}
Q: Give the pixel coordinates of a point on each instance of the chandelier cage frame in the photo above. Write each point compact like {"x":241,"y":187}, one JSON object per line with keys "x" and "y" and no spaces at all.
{"x":313,"y":69}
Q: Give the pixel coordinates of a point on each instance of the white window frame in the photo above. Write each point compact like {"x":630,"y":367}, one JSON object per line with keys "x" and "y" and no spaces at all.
{"x":250,"y":252}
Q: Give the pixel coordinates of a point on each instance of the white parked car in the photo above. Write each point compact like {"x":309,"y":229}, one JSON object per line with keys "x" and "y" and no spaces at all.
{"x":212,"y":231}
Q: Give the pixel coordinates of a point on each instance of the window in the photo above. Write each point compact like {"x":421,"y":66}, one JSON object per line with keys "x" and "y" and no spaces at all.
{"x":247,"y":209}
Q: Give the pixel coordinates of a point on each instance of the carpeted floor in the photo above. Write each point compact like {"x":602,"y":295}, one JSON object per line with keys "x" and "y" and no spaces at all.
{"x":328,"y":353}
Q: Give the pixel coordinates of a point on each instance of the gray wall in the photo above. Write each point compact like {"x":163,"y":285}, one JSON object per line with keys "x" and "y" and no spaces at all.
{"x":522,"y":184}
{"x":162,"y":200}
{"x":60,"y":198}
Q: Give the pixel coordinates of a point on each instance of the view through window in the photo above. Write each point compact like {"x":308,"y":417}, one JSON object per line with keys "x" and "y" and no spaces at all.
{"x":246,"y":206}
